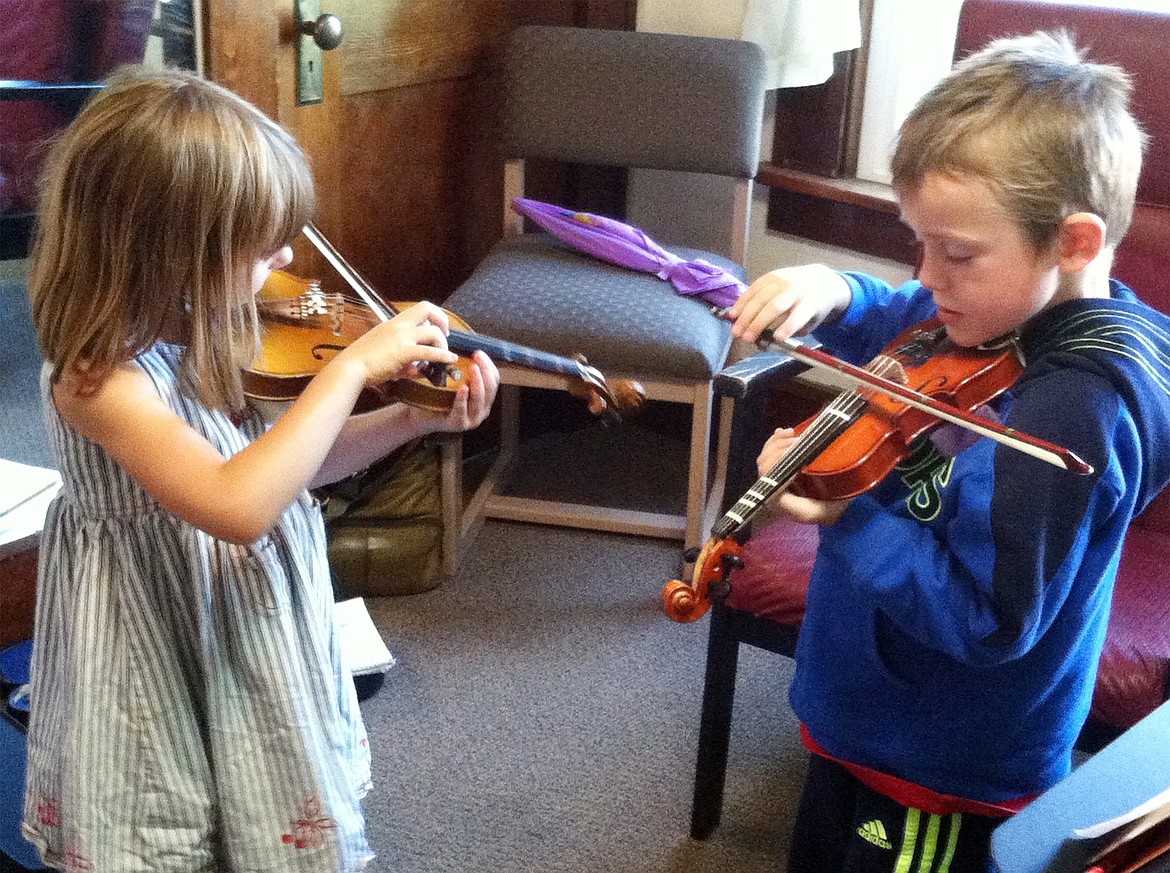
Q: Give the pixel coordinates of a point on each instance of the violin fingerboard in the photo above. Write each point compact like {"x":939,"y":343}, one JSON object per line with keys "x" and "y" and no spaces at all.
{"x":829,"y":423}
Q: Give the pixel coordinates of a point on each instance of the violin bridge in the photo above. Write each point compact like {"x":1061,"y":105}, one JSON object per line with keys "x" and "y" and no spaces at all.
{"x":888,"y":368}
{"x":316,"y":303}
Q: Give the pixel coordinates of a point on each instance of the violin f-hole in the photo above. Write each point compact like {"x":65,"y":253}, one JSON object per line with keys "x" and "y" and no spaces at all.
{"x":325,"y":347}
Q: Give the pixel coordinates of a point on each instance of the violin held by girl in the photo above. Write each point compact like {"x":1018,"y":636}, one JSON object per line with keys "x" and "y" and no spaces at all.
{"x":188,"y":698}
{"x":305,"y":326}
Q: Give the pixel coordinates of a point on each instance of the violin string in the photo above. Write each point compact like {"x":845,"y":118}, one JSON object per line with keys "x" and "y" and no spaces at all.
{"x":828,"y":424}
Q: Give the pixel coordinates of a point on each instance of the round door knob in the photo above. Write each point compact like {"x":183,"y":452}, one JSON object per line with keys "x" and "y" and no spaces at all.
{"x":326,"y":31}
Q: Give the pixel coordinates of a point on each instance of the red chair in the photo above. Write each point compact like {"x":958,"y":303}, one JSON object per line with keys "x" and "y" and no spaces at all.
{"x":766,"y":603}
{"x":53,"y":54}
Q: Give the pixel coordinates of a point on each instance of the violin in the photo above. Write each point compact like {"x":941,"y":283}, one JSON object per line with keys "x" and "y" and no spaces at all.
{"x":856,"y":440}
{"x":304,"y":328}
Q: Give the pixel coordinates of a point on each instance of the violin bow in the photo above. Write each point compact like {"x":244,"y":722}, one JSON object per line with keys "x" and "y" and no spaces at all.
{"x":1051,"y":453}
{"x":348,"y":273}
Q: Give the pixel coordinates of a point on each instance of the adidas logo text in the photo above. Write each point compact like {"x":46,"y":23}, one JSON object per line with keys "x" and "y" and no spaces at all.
{"x":875,"y":832}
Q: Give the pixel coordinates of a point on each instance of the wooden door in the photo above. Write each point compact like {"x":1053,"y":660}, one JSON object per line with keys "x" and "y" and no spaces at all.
{"x":410,"y":187}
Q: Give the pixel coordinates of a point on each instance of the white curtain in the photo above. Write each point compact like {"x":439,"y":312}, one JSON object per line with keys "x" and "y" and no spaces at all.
{"x":799,"y":37}
{"x":910,"y":48}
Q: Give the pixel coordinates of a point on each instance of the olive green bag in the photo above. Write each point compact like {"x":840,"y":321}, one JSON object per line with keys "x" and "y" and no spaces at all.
{"x":385,"y":526}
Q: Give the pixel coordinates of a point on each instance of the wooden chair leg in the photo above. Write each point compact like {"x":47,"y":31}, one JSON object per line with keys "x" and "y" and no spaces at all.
{"x":714,"y":725}
{"x":698,"y":480}
{"x":463,"y":518}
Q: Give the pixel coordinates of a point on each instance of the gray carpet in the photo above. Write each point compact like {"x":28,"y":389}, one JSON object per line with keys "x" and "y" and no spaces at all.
{"x":543,"y":713}
{"x":543,"y":717}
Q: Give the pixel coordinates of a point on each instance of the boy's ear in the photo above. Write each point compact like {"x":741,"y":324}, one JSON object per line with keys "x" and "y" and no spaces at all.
{"x":1081,"y":240}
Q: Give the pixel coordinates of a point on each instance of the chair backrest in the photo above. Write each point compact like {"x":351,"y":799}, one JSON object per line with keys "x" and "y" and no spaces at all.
{"x":53,"y":54}
{"x":589,"y":96}
{"x":1135,"y":40}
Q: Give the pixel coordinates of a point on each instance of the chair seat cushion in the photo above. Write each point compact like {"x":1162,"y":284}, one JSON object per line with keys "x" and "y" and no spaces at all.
{"x":777,"y":564}
{"x":534,"y":290}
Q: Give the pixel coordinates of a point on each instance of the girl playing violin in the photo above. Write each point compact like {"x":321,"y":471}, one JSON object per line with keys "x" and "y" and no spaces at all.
{"x":956,"y":612}
{"x":190,"y":710}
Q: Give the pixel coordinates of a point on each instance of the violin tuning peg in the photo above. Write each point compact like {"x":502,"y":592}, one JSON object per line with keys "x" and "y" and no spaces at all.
{"x":597,"y":404}
{"x":719,"y":590}
{"x":435,"y":373}
{"x":692,"y":554}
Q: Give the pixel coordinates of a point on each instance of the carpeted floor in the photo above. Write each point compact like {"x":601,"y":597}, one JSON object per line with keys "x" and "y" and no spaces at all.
{"x":543,"y":717}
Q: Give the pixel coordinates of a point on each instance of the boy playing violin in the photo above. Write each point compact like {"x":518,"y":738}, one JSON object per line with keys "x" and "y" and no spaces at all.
{"x":957,"y":611}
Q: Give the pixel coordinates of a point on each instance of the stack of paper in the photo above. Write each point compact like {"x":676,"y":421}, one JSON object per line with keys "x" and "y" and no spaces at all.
{"x":1132,"y":839}
{"x":362,"y":647}
{"x":25,"y":493}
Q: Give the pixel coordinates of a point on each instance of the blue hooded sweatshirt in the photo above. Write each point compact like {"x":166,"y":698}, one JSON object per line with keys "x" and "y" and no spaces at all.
{"x":957,"y":611}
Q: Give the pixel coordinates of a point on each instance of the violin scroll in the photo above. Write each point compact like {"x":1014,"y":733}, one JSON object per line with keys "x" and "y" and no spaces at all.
{"x":611,"y":398}
{"x":686,"y":602}
{"x":627,"y":394}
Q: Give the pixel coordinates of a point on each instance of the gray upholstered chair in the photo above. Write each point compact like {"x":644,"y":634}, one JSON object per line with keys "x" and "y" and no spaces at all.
{"x":619,"y":99}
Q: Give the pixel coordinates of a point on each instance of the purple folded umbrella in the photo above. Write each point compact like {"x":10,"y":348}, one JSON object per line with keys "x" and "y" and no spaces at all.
{"x":628,"y":246}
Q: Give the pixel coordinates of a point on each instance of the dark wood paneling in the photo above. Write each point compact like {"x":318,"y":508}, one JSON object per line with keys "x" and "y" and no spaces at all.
{"x":406,"y":154}
{"x":241,"y":38}
{"x":421,"y":159}
{"x":411,"y":187}
{"x":391,"y":45}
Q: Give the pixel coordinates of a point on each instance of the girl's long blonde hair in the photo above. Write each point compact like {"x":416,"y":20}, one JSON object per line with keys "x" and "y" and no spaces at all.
{"x":157,"y":202}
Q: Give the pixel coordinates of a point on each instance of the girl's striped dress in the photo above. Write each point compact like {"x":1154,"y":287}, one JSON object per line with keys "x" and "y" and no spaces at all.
{"x":190,"y":711}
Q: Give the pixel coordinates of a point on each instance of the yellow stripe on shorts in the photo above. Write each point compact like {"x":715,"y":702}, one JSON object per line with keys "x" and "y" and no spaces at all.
{"x":909,"y":841}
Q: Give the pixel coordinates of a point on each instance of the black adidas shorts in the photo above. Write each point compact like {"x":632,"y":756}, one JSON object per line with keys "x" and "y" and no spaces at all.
{"x":844,"y":826}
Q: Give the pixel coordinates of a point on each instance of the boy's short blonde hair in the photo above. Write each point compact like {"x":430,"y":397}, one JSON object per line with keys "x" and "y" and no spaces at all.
{"x":157,"y":202}
{"x":1050,"y":132}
